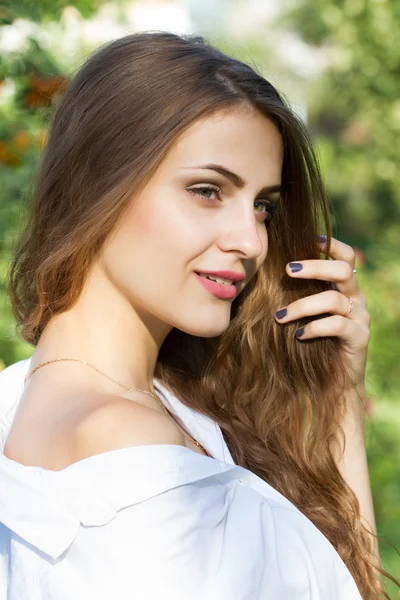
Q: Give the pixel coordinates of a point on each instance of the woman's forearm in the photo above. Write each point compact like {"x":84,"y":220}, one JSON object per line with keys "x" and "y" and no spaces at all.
{"x":352,"y":462}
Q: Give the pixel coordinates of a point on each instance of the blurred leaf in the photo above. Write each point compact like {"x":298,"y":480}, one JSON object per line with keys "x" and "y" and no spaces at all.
{"x":43,"y":10}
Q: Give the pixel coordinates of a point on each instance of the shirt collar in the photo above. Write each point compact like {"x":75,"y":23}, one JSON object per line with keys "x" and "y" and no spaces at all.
{"x":45,"y":508}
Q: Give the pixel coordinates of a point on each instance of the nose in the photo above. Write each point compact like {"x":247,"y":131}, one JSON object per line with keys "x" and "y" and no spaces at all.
{"x":244,"y":233}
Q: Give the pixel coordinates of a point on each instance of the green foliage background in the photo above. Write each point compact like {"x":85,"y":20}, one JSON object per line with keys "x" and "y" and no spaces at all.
{"x":354,"y":117}
{"x":355,"y":120}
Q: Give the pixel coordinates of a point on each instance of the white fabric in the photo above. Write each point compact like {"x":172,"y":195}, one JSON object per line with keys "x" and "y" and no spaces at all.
{"x":155,"y":522}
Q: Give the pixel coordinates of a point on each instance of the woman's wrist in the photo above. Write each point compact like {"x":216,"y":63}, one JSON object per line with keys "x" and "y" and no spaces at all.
{"x":355,"y":402}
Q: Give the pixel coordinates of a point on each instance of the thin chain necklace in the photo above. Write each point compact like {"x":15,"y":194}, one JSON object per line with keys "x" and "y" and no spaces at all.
{"x":129,"y":389}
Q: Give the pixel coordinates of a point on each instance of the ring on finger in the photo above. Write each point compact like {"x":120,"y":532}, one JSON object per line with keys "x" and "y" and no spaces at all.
{"x":351,"y":306}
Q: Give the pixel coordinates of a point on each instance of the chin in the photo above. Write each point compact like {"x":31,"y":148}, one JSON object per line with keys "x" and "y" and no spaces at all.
{"x":206,"y":330}
{"x":203,"y":319}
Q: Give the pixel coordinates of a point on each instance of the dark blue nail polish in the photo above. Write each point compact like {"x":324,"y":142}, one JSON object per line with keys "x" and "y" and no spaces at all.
{"x":299,"y":332}
{"x":322,"y":238}
{"x":295,"y":267}
{"x":281,"y":313}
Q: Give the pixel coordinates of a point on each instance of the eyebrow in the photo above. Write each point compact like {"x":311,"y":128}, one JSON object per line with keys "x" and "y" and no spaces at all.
{"x":238,"y":181}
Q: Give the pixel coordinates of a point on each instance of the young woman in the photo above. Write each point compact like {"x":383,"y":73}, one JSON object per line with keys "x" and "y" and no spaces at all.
{"x":177,"y":431}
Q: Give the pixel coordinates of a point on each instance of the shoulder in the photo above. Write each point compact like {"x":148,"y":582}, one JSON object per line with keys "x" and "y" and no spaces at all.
{"x":120,"y":423}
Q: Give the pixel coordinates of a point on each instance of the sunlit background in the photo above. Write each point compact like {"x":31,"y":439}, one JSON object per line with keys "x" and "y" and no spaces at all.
{"x":336,"y":62}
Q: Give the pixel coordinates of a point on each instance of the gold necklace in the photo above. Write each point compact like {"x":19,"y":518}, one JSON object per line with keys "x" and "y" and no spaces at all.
{"x":129,"y":389}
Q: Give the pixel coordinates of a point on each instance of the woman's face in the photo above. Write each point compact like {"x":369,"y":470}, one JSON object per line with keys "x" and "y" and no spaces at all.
{"x":191,"y":218}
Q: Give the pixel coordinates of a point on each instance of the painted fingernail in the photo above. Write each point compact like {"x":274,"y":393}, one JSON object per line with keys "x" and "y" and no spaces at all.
{"x":281,"y":313}
{"x":299,"y":332}
{"x":322,"y":238}
{"x":295,"y":267}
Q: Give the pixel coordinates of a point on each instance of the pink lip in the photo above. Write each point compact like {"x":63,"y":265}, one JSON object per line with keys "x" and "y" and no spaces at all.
{"x":226,"y":292}
{"x":231,"y":275}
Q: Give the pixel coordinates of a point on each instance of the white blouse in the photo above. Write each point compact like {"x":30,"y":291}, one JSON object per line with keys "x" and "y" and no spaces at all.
{"x":155,"y":522}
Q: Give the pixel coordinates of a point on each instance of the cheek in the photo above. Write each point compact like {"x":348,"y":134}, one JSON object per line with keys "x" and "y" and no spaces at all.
{"x":157,"y":237}
{"x":166,"y":220}
{"x":264,"y":241}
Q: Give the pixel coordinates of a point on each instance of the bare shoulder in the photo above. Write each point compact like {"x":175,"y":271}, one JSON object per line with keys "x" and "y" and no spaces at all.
{"x":121,"y":423}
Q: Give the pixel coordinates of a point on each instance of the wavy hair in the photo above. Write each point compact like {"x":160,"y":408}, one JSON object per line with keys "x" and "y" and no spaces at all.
{"x":278,"y":402}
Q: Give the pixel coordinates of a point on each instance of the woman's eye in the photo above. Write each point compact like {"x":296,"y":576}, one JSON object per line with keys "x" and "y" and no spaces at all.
{"x":269,"y":208}
{"x":204,"y":191}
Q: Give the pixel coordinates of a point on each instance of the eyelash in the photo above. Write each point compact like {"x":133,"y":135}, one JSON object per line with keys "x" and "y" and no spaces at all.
{"x":269,"y":204}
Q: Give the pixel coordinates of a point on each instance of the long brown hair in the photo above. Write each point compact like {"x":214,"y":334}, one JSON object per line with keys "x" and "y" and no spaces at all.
{"x":278,"y":401}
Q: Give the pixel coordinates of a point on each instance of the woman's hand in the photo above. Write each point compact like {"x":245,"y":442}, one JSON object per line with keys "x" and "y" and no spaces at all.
{"x":353,"y":326}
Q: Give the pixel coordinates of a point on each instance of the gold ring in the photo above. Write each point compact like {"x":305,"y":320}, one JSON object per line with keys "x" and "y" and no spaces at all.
{"x":351,"y":306}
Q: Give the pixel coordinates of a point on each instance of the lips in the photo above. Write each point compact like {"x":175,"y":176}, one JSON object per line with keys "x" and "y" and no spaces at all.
{"x":220,"y":280}
{"x":223,"y":274}
{"x":225,"y":291}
